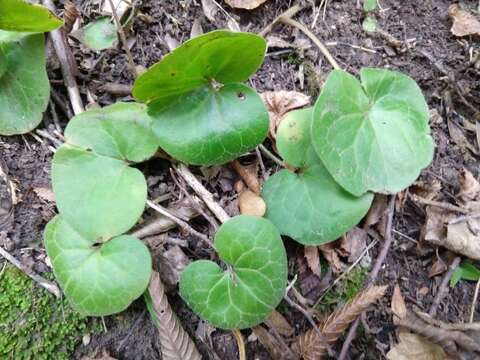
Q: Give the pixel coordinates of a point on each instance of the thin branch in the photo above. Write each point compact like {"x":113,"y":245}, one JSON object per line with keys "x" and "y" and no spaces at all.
{"x":49,"y":286}
{"x":373,"y":274}
{"x":442,"y":289}
{"x":184,"y":225}
{"x":474,"y":302}
{"x":442,"y":205}
{"x":287,"y":14}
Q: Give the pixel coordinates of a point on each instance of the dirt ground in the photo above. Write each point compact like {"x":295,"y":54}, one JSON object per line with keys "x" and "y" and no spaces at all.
{"x":424,"y":25}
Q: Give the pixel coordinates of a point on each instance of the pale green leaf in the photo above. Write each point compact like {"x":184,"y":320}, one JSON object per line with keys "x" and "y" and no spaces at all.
{"x":373,"y":135}
{"x":369,"y":24}
{"x":24,"y":86}
{"x":310,"y":207}
{"x":98,"y":35}
{"x":370,"y":5}
{"x":246,"y":295}
{"x":18,"y":15}
{"x":98,"y":279}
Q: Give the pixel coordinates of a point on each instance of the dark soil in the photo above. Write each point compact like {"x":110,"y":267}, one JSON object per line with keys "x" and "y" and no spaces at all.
{"x":424,"y":24}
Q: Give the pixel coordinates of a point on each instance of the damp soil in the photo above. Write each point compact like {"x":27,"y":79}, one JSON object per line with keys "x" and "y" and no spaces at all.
{"x":422,"y":24}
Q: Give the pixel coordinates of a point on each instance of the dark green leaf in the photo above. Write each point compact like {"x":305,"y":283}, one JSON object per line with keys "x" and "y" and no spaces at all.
{"x":244,"y":295}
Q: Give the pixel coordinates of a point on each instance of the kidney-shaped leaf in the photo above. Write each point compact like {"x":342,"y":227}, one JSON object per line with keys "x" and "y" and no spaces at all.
{"x":202,"y":114}
{"x":99,"y":279}
{"x":98,"y":35}
{"x":24,"y":85}
{"x":19,"y":15}
{"x":372,"y":135}
{"x":254,"y":283}
{"x":311,"y":207}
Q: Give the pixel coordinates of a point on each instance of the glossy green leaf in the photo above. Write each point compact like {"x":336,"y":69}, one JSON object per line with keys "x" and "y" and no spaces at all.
{"x":221,"y":55}
{"x":98,"y":35}
{"x":373,"y":135}
{"x":311,"y":207}
{"x":294,"y":142}
{"x":210,"y":127}
{"x":24,"y":86}
{"x":246,"y":294}
{"x":99,"y":279}
{"x":369,"y":24}
{"x":370,"y":5}
{"x":18,"y":15}
{"x":466,"y":271}
{"x":120,"y":131}
{"x":202,"y":114}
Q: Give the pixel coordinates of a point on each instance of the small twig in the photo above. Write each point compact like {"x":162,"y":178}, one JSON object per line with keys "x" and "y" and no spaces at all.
{"x":270,"y":155}
{"x":323,"y":49}
{"x":43,"y":133}
{"x":184,"y":225}
{"x":202,"y":192}
{"x":50,"y":286}
{"x":464,"y":218}
{"x":443,"y":288}
{"x":66,"y":60}
{"x":373,"y":274}
{"x":475,"y":326}
{"x":287,"y":14}
{"x":240,"y":343}
{"x":123,"y":39}
{"x":439,"y":204}
{"x":474,"y":302}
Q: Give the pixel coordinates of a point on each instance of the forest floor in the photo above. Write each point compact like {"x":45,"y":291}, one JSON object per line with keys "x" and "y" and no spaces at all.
{"x":440,"y":62}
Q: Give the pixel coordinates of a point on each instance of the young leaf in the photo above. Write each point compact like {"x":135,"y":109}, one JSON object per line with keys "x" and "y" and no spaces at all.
{"x":92,"y":181}
{"x":99,"y":279}
{"x":18,"y":15}
{"x":466,"y":271}
{"x":311,"y":207}
{"x":24,"y":85}
{"x":202,"y":114}
{"x":98,"y":35}
{"x":370,"y":5}
{"x":252,"y":286}
{"x":373,"y":135}
{"x":369,"y":24}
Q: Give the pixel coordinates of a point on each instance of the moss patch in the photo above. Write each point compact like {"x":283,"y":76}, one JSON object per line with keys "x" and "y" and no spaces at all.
{"x":34,"y":324}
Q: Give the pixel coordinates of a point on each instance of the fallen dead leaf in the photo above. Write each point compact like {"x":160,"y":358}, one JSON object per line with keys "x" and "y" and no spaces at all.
{"x":313,"y":259}
{"x":438,"y":268}
{"x":45,"y":193}
{"x":281,"y":325}
{"x":469,"y":186}
{"x":177,"y":260}
{"x":353,"y":243}
{"x":278,"y":103}
{"x":464,"y":22}
{"x":277,"y":42}
{"x":329,"y":253}
{"x":458,"y":136}
{"x":377,"y":210}
{"x":412,"y":346}
{"x":464,"y":238}
{"x":398,"y":306}
{"x":121,"y":7}
{"x":251,"y":204}
{"x":270,"y":343}
{"x":423,"y":291}
{"x":245,"y":4}
{"x":434,"y":229}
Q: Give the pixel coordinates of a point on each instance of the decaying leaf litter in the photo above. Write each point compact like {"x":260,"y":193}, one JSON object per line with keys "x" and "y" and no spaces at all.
{"x":297,"y":67}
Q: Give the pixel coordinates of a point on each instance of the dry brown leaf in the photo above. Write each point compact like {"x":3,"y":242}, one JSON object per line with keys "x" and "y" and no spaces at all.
{"x":177,"y":261}
{"x":174,"y":340}
{"x":438,"y":268}
{"x":251,"y":204}
{"x":464,"y":22}
{"x":434,"y":229}
{"x":278,"y":103}
{"x":248,"y":175}
{"x":412,"y":346}
{"x":245,"y":4}
{"x":121,"y":7}
{"x":353,"y":243}
{"x":309,"y":346}
{"x":469,"y":186}
{"x":280,"y":324}
{"x":70,"y":15}
{"x":273,"y":346}
{"x":398,"y":306}
{"x":458,"y":136}
{"x":313,"y":259}
{"x":45,"y":193}
{"x":464,"y":238}
{"x":329,"y":253}
{"x":277,"y":42}
{"x":377,"y":210}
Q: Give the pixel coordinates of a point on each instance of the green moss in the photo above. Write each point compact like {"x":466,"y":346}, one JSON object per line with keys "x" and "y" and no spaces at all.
{"x":34,"y":324}
{"x":345,"y":290}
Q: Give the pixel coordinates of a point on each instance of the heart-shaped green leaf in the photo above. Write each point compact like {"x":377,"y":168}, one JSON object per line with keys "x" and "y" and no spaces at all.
{"x":18,"y":15}
{"x":24,"y":85}
{"x":372,"y":135}
{"x":98,"y":35}
{"x":202,"y":114}
{"x":246,"y":293}
{"x":91,"y":177}
{"x":311,"y":207}
{"x":99,"y":279}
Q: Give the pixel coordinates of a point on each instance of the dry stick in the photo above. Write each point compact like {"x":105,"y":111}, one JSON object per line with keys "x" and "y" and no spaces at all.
{"x":123,"y":38}
{"x":474,"y":302}
{"x":50,"y":286}
{"x":65,"y":58}
{"x":287,"y":14}
{"x":439,"y":204}
{"x":442,"y":290}
{"x":184,"y":225}
{"x":373,"y":274}
{"x":475,"y":326}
